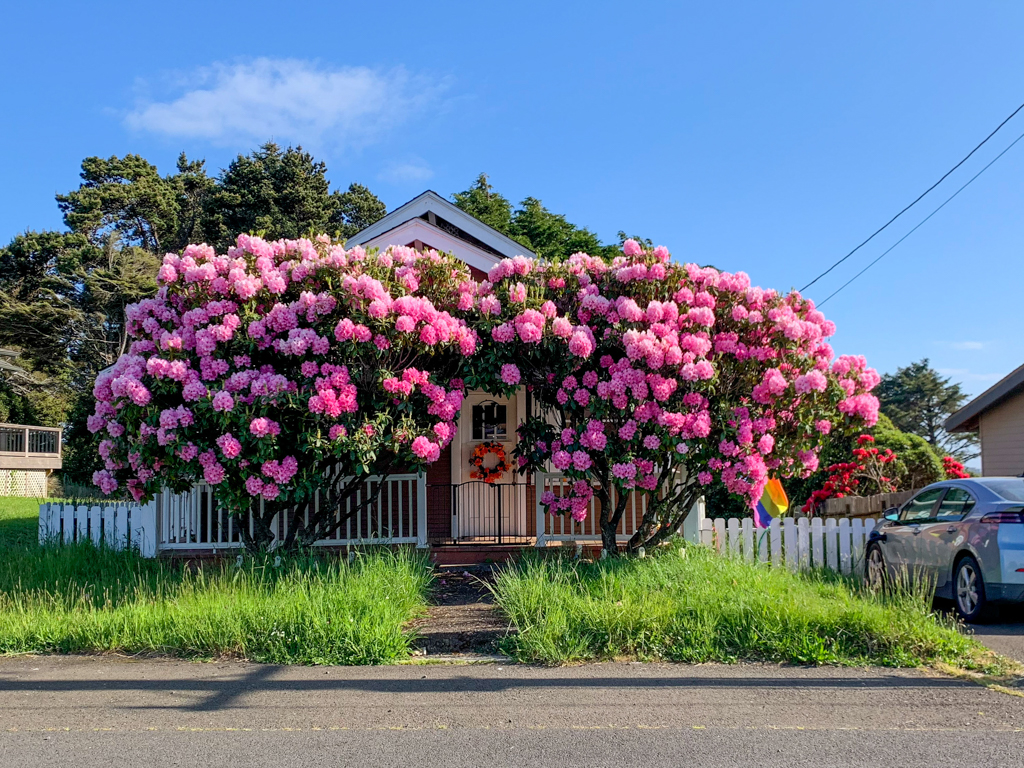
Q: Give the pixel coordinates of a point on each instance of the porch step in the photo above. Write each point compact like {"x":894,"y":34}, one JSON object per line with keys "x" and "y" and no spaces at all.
{"x":475,"y":554}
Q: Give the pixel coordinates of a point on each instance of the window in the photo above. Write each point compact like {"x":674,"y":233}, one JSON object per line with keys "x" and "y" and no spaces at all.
{"x":955,"y":505}
{"x":919,"y":508}
{"x":1011,"y":490}
{"x":490,"y":421}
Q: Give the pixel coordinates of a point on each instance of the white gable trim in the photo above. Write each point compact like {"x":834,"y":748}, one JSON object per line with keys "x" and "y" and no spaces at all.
{"x":432,"y":202}
{"x":418,"y":229}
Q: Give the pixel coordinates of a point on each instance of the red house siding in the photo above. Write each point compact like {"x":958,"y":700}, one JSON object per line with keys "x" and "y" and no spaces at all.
{"x":439,"y":500}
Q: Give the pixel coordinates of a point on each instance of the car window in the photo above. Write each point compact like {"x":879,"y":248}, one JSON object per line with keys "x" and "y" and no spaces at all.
{"x":920,"y":507}
{"x":955,"y":505}
{"x":1011,"y":489}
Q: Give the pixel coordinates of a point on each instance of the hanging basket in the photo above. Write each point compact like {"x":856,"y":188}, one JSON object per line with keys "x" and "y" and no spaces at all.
{"x":488,"y":474}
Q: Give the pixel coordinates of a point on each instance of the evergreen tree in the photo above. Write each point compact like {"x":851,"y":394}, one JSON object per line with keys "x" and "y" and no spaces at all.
{"x":549,"y":235}
{"x":919,"y":400}
{"x":483,"y":203}
{"x":277,"y":193}
{"x":355,"y":209}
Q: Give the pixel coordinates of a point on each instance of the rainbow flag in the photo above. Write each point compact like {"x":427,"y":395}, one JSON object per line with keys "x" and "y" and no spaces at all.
{"x":772,"y":504}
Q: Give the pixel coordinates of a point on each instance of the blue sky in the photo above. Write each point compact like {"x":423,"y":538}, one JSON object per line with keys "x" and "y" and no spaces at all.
{"x":767,"y":137}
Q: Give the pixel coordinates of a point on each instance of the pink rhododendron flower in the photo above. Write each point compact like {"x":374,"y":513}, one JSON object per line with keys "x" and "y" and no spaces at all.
{"x":510,"y":374}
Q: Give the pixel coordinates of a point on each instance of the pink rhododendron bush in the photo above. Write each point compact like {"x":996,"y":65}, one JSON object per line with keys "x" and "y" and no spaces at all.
{"x":657,"y":378}
{"x":267,"y":370}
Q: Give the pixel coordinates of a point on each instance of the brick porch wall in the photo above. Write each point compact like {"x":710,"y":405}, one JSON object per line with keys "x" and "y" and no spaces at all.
{"x":439,"y":502}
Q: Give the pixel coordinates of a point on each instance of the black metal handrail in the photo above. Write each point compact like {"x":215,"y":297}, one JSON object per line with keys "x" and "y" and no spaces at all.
{"x":480,"y":512}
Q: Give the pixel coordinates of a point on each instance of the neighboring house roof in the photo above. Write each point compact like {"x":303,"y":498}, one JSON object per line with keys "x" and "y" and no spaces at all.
{"x":433,"y":220}
{"x":6,"y":366}
{"x":966,"y":419}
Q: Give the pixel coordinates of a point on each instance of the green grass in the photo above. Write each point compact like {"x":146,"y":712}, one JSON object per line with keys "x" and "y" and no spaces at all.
{"x":309,"y":610}
{"x":19,"y":521}
{"x":702,"y":607}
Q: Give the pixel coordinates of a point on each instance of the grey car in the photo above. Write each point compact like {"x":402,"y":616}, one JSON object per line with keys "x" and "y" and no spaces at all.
{"x":964,"y":536}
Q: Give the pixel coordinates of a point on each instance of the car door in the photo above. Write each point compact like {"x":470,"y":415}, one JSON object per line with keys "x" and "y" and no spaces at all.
{"x":938,"y":543}
{"x":903,"y":560}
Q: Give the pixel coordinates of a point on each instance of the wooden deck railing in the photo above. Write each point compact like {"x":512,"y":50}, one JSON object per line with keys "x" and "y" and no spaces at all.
{"x":24,"y":447}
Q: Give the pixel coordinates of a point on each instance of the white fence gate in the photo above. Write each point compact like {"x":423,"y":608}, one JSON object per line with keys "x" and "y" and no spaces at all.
{"x":837,"y":545}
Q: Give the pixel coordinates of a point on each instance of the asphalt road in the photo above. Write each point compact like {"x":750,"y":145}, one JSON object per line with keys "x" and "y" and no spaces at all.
{"x":92,"y":712}
{"x":1006,"y":634}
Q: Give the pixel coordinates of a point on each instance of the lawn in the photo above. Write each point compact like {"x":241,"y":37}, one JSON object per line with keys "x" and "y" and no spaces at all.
{"x":305,"y":610}
{"x":701,"y":607}
{"x":19,"y":521}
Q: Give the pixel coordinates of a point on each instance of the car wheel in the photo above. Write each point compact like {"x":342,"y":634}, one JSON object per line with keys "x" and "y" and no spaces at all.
{"x":874,"y":570}
{"x":969,"y":591}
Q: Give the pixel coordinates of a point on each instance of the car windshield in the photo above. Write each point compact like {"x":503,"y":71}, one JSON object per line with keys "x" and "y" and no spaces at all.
{"x":1011,"y":489}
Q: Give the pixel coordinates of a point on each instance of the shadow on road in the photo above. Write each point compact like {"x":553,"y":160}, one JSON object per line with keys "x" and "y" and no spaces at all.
{"x":225,"y":692}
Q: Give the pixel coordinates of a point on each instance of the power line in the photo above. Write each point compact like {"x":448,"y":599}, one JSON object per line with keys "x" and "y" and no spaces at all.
{"x":916,"y":201}
{"x":869,"y":266}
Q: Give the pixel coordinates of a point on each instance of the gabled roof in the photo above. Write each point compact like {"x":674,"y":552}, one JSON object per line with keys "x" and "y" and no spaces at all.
{"x":448,"y":219}
{"x":966,"y":419}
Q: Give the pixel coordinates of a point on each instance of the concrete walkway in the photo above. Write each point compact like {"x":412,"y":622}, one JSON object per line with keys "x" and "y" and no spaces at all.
{"x":93,"y":712}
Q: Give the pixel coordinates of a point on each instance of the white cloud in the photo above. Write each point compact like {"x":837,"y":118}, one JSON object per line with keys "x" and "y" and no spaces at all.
{"x":968,"y":345}
{"x":415,"y":170}
{"x":289,"y":100}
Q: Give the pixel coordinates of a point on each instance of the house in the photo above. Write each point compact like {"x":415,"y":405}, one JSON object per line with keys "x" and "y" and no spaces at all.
{"x":997,"y":415}
{"x":461,"y":517}
{"x":28,"y":455}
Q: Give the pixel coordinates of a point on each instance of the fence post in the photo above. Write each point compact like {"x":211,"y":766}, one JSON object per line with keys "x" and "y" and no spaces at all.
{"x":733,"y":534}
{"x":146,"y":526}
{"x":421,"y":511}
{"x":44,"y":522}
{"x":844,"y":545}
{"x":831,"y":554}
{"x":817,"y":544}
{"x":804,"y":542}
{"x":789,"y":544}
{"x":693,"y":523}
{"x":857,"y":549}
{"x":81,"y":522}
{"x":542,"y":522}
{"x":775,"y":538}
{"x":706,"y":535}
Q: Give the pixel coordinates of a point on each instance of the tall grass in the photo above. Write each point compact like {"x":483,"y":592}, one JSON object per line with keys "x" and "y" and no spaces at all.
{"x":703,"y":607}
{"x":306,"y":609}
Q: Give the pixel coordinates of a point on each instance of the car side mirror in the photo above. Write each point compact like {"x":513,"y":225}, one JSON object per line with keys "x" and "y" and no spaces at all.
{"x":892,"y":515}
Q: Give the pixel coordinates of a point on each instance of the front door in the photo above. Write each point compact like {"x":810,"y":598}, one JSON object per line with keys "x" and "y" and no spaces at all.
{"x":487,"y":510}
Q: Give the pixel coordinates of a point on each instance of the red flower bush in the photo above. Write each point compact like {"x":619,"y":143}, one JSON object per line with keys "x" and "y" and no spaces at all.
{"x":868,"y":473}
{"x":954,"y":469}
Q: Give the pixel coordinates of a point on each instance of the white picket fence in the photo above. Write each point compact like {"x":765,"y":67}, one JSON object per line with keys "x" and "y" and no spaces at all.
{"x":193,"y":521}
{"x":120,"y":525}
{"x":562,"y":528}
{"x":837,"y":545}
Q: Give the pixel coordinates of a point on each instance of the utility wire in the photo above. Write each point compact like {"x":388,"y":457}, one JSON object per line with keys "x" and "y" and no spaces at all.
{"x":869,"y":266}
{"x":916,"y":201}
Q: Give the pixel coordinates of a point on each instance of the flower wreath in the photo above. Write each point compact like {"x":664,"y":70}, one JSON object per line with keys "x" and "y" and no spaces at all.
{"x":488,"y":474}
